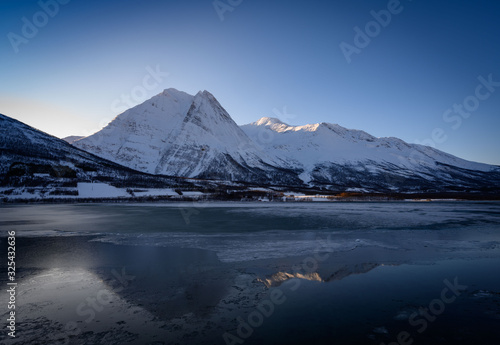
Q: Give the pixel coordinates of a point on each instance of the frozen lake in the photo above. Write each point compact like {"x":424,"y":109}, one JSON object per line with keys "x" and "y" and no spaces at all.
{"x":349,"y":273}
{"x":247,"y":231}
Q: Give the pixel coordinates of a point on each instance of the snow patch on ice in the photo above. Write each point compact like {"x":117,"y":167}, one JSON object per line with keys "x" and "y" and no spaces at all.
{"x":100,"y":190}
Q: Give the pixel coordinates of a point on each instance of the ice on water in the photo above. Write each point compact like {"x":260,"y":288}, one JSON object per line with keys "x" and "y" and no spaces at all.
{"x":249,"y":231}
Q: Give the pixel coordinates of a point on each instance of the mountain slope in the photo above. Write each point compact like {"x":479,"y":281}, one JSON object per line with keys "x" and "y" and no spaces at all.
{"x":29,"y":157}
{"x":328,"y":154}
{"x":178,"y":134}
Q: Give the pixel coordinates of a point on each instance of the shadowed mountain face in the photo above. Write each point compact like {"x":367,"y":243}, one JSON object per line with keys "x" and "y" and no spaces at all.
{"x":29,"y":157}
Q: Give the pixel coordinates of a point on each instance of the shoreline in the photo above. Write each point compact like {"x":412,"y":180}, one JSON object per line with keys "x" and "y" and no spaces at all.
{"x":311,"y":199}
{"x":105,"y":192}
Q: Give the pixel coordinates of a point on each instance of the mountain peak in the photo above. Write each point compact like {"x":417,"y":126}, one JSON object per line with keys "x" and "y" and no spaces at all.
{"x":173,"y":92}
{"x":178,"y":134}
{"x":204,"y":92}
{"x":177,"y":95}
{"x":269,"y":121}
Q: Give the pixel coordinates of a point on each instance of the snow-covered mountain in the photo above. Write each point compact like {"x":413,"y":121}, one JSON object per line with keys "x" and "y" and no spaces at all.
{"x":333,"y":155}
{"x":178,"y":134}
{"x":32,"y":158}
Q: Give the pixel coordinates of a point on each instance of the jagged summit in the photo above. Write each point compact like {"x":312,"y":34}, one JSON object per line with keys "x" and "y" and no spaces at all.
{"x":279,"y":126}
{"x":268,"y":121}
{"x":178,"y":134}
{"x":173,"y":91}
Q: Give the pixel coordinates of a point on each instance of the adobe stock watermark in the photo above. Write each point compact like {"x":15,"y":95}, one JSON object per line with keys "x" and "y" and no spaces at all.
{"x":283,"y":116}
{"x":140,"y":92}
{"x":194,"y":210}
{"x":424,"y":316}
{"x":255,"y":319}
{"x":31,"y":27}
{"x":265,"y":135}
{"x":223,"y":6}
{"x":455,"y":115}
{"x":93,"y":305}
{"x":363,"y":36}
{"x":459,"y":112}
{"x":266,"y":308}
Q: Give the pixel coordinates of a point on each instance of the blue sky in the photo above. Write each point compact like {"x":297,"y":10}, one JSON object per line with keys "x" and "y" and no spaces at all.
{"x":85,"y":61}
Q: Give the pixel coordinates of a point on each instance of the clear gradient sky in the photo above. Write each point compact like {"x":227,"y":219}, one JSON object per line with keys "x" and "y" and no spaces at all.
{"x":69,"y":75}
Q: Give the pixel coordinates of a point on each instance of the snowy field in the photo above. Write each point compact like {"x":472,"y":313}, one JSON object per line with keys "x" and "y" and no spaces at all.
{"x":88,"y":190}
